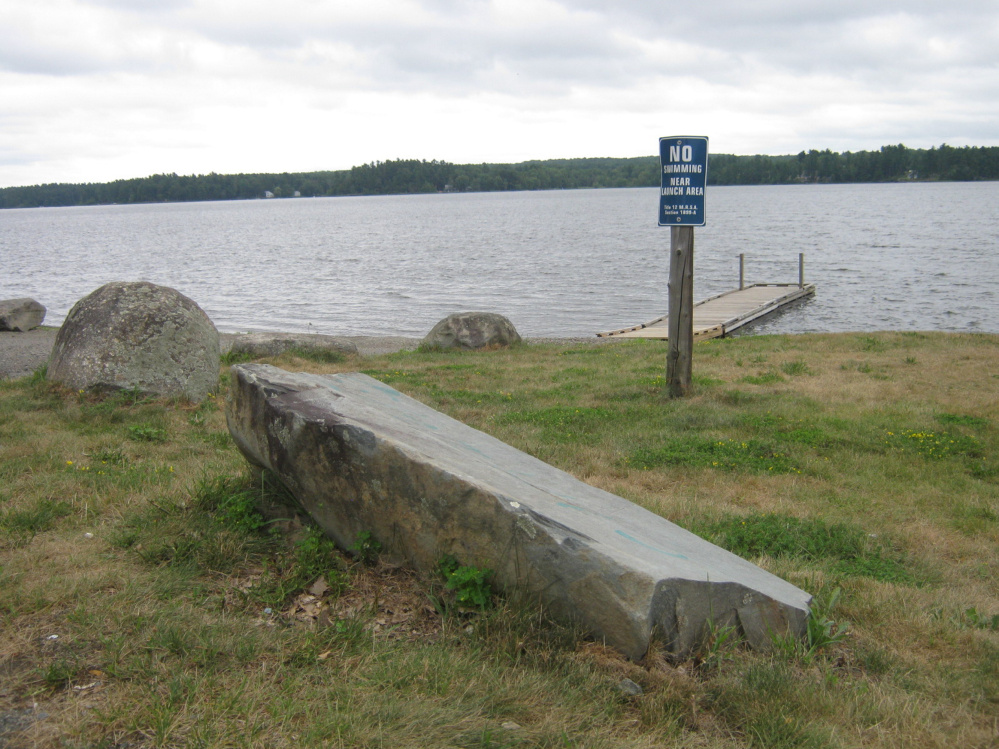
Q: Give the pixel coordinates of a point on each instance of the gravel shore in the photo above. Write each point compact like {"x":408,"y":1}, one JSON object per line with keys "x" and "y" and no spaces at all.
{"x":23,"y":353}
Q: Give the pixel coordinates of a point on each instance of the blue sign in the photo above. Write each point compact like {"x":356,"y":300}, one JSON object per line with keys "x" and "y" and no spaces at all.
{"x":684,"y":163}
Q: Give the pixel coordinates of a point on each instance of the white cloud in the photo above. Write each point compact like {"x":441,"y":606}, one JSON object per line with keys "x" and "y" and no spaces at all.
{"x":100,"y":89}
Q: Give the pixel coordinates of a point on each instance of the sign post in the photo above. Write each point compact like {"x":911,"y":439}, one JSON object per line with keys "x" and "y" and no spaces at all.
{"x":684,"y":167}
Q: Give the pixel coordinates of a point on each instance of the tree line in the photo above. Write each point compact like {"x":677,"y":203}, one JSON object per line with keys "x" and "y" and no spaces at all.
{"x":405,"y":176}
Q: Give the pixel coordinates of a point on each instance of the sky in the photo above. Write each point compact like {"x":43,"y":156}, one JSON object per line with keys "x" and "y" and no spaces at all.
{"x":96,"y":90}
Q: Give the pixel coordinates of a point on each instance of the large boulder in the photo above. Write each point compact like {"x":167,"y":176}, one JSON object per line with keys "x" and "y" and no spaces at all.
{"x":137,"y":335}
{"x":20,"y":315}
{"x":362,"y":457}
{"x":258,"y":345}
{"x":472,"y":330}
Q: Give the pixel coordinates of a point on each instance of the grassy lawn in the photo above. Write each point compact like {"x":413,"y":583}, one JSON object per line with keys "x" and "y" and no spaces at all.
{"x":145,"y":602}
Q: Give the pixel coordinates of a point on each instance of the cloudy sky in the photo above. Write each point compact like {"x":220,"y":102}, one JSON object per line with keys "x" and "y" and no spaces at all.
{"x":94,"y":90}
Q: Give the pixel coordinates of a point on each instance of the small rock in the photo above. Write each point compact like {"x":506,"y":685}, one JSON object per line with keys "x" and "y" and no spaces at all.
{"x":510,"y":726}
{"x":20,"y":315}
{"x":259,"y":345}
{"x":629,"y":688}
{"x":88,"y":535}
{"x":471,"y":330}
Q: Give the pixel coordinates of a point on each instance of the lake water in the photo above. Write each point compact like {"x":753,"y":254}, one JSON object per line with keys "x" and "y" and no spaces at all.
{"x":561,"y":263}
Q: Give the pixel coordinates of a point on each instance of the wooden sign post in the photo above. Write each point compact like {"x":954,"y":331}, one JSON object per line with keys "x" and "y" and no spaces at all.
{"x":684,"y":162}
{"x":680,"y":311}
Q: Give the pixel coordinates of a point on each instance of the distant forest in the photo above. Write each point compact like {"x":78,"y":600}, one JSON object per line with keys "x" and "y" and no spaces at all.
{"x":404,"y":176}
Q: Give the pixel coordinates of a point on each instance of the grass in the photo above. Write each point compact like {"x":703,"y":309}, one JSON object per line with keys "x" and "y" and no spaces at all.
{"x":156,"y":593}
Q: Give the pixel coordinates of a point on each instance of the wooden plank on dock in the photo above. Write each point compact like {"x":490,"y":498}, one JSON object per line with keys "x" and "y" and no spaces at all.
{"x":720,"y":315}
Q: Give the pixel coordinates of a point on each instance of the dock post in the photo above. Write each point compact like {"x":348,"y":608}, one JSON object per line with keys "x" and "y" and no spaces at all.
{"x":681,"y":311}
{"x":742,"y":271}
{"x":801,"y":270}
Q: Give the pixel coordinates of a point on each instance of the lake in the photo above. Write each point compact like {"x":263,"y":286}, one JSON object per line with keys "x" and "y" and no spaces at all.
{"x":919,"y":256}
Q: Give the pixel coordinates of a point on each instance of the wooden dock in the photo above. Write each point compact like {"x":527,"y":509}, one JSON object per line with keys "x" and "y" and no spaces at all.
{"x":719,"y":315}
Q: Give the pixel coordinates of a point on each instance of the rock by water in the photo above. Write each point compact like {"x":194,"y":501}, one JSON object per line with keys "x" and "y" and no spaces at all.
{"x":137,"y":335}
{"x":21,"y":315}
{"x":274,"y":344}
{"x":472,"y":330}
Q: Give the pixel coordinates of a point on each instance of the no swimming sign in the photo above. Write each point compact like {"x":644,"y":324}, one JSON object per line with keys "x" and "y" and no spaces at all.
{"x":684,"y":165}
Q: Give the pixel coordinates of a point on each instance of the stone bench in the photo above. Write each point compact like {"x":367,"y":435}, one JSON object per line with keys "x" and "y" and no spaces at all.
{"x":361,"y":456}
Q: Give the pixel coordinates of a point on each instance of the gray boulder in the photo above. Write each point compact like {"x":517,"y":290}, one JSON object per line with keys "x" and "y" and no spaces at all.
{"x":362,"y":457}
{"x":472,"y":330}
{"x":259,"y":345}
{"x":137,"y":335}
{"x":20,"y":315}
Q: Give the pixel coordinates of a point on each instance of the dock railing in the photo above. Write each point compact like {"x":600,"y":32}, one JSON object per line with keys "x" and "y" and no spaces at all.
{"x":742,"y":270}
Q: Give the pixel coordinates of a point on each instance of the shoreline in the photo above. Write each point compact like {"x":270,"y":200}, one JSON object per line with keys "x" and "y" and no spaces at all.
{"x":23,"y":353}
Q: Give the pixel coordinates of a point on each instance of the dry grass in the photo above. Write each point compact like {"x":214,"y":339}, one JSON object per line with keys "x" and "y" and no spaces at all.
{"x":175,"y":625}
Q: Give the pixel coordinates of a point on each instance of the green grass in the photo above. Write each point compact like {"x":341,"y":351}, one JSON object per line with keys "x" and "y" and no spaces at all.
{"x":560,"y":423}
{"x":195,"y":606}
{"x":843,"y":549}
{"x":697,"y":452}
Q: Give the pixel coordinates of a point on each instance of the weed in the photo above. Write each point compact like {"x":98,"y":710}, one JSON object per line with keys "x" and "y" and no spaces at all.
{"x":970,"y":618}
{"x":231,"y":357}
{"x":875,"y":661}
{"x":39,"y":376}
{"x":985,"y":471}
{"x":108,"y":456}
{"x":127,"y":398}
{"x":232,"y":501}
{"x":291,"y":571}
{"x":975,"y":422}
{"x":718,"y":646}
{"x":22,"y":524}
{"x":470,"y":584}
{"x":699,"y":381}
{"x":823,"y":632}
{"x":199,"y":416}
{"x":147,"y":433}
{"x":318,"y":354}
{"x":60,"y":673}
{"x":366,"y":548}
{"x":934,"y":445}
{"x":764,"y":378}
{"x":978,"y":620}
{"x":316,"y":556}
{"x":795,"y":368}
{"x":872,"y":343}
